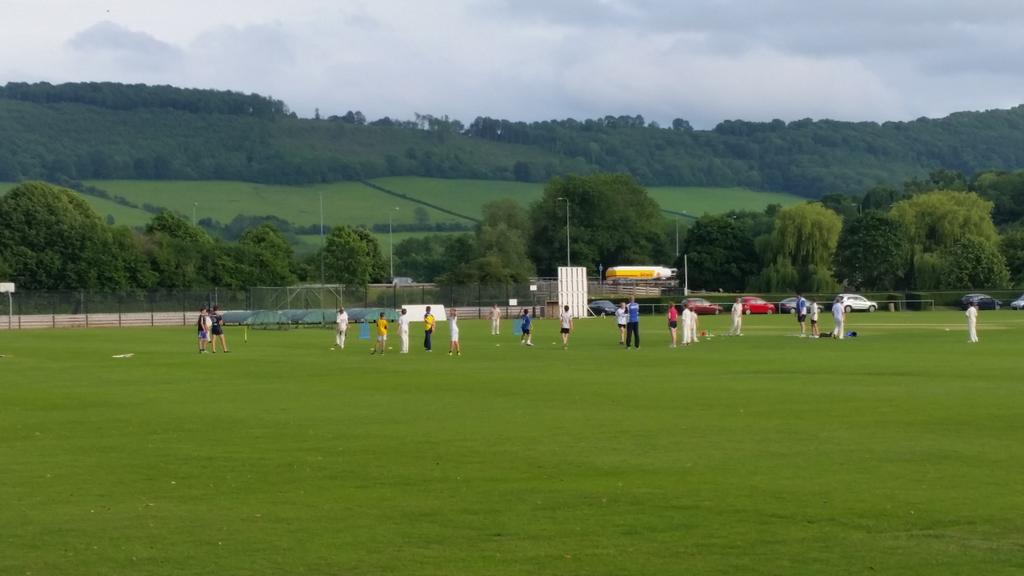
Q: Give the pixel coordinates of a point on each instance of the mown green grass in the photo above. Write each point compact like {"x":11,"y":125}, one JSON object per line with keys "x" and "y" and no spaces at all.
{"x":897,"y":452}
{"x":464,"y":196}
{"x":348,"y":203}
{"x":354,"y":204}
{"x":699,"y":201}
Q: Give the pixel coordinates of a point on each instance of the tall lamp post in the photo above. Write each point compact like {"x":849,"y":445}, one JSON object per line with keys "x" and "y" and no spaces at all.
{"x":322,"y":246}
{"x":677,"y":234}
{"x":677,"y":237}
{"x":391,"y":244}
{"x":568,"y":253}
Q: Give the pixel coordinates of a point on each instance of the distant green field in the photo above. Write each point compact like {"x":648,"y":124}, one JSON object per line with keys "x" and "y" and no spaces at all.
{"x":900,"y":451}
{"x":464,"y":196}
{"x":349,"y":203}
{"x":311,"y":242}
{"x":700,"y":201}
{"x":353,"y":203}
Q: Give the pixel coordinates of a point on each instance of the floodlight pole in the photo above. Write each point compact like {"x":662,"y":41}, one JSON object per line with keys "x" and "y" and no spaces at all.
{"x":391,"y":244}
{"x":321,"y":241}
{"x":194,"y":204}
{"x":568,"y":259}
{"x":686,"y":276}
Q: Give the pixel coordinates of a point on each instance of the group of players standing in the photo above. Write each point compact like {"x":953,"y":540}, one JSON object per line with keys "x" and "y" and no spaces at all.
{"x":210,"y":327}
{"x":382,"y":326}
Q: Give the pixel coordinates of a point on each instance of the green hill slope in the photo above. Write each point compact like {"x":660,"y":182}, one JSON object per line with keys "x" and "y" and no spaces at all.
{"x":112,"y":131}
{"x":354,"y":203}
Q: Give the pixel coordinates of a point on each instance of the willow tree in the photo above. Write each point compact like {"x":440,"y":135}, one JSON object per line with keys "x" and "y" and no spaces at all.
{"x":799,"y":251}
{"x":934,"y":225}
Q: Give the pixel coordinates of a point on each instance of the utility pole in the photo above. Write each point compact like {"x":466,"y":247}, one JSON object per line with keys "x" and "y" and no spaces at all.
{"x":322,"y":245}
{"x":391,"y":244}
{"x":568,"y":253}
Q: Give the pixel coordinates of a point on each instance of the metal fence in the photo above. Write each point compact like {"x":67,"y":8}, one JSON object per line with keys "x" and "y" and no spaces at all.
{"x":54,"y":309}
{"x":62,"y":309}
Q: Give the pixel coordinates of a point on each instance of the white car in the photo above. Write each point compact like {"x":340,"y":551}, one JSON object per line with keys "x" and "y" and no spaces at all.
{"x":856,"y":302}
{"x":1018,"y":304}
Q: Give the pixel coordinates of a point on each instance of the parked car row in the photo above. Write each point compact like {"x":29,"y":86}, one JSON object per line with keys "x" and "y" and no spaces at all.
{"x":851,"y":303}
{"x":984,"y":302}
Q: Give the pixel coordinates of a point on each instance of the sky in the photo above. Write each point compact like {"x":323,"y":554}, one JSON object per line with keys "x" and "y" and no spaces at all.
{"x":701,"y":60}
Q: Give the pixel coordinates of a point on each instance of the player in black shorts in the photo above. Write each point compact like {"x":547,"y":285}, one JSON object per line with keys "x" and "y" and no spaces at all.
{"x":218,"y":330}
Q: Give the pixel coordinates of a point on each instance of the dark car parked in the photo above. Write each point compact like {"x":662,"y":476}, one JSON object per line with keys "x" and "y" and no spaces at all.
{"x":602,"y":308}
{"x":984,"y":302}
{"x":788,"y":306}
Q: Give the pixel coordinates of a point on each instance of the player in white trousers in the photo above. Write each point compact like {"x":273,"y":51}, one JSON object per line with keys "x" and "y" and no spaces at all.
{"x":403,"y":330}
{"x":693,"y":326}
{"x":737,"y":319}
{"x":972,"y":323}
{"x":495,"y":320}
{"x":687,"y":325}
{"x":453,"y":330}
{"x":838,"y":319}
{"x":342,"y":328}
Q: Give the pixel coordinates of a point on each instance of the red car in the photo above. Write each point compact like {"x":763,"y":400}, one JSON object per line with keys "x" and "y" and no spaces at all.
{"x":757,"y":305}
{"x":702,"y":306}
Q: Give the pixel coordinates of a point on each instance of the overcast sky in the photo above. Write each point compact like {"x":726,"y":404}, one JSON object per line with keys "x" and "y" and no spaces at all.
{"x":703,"y":60}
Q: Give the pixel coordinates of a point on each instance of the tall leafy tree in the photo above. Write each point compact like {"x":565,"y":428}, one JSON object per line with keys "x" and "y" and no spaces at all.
{"x":1012,"y":247}
{"x":973,"y":263}
{"x":501,"y":246}
{"x":52,"y":239}
{"x":180,"y":255}
{"x":353,"y":256}
{"x":264,"y":257}
{"x":871,"y":253}
{"x":612,"y":222}
{"x":720,"y":253}
{"x":799,"y":252}
{"x":933,"y":222}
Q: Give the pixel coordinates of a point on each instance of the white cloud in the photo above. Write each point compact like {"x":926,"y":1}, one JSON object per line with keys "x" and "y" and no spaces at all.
{"x":704,"y":60}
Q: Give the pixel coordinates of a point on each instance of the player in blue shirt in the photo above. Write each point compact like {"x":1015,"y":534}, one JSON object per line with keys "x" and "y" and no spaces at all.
{"x":527,"y":323}
{"x":801,"y":312}
{"x":633,"y":325}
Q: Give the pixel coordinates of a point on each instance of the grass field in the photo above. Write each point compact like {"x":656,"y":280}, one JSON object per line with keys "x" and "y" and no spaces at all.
{"x":464,"y":196}
{"x":349,"y":203}
{"x":354,"y":203}
{"x":900,"y":451}
{"x":699,"y":201}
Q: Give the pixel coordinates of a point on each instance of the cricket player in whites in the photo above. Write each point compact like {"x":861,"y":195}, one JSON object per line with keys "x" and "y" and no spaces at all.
{"x":403,"y":331}
{"x":687,"y":325}
{"x":838,"y":318}
{"x":453,"y":330}
{"x":342,"y":328}
{"x":737,"y":318}
{"x":972,"y":323}
{"x":495,"y":320}
{"x":565,"y":321}
{"x":693,"y":325}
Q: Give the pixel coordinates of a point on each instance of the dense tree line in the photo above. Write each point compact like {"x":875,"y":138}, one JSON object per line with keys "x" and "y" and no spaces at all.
{"x":938,"y":232}
{"x":933,"y":233}
{"x":115,"y":96}
{"x":107,"y":130}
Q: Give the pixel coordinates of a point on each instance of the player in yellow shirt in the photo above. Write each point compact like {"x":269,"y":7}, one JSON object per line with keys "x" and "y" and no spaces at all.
{"x":382,"y":334}
{"x":428,"y":329}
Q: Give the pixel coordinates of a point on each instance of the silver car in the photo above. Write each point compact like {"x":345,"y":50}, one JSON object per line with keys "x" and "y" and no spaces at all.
{"x":1018,"y":304}
{"x":856,"y":302}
